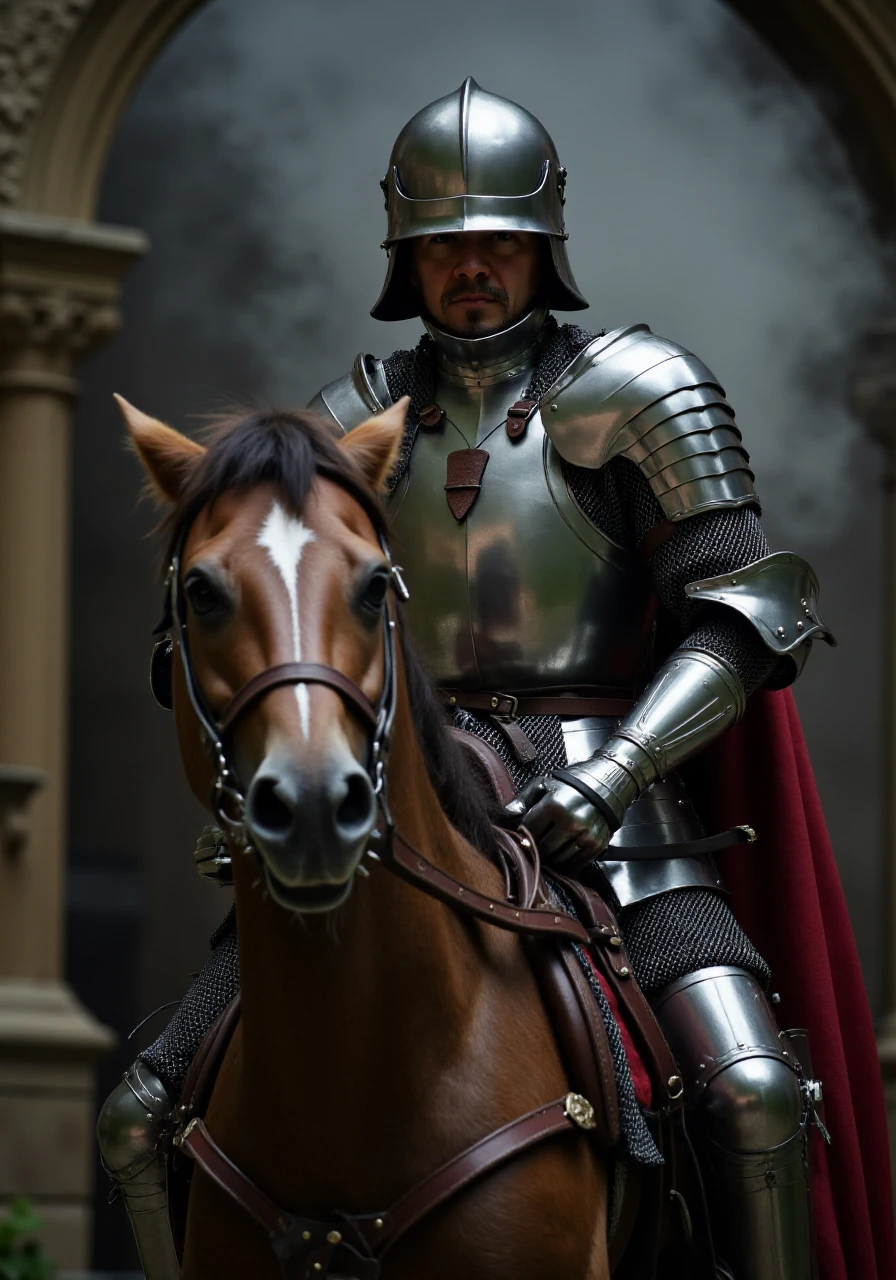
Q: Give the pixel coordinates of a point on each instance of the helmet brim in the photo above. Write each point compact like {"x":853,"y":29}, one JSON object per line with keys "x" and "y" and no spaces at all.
{"x":400,"y":300}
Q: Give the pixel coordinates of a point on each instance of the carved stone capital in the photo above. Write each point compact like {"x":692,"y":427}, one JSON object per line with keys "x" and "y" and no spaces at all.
{"x":55,"y":318}
{"x":59,"y":289}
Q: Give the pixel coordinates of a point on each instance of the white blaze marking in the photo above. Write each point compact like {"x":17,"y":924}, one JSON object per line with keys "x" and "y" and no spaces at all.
{"x":285,"y":538}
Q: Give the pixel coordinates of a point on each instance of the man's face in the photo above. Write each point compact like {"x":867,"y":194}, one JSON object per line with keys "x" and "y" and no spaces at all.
{"x":474,"y":283}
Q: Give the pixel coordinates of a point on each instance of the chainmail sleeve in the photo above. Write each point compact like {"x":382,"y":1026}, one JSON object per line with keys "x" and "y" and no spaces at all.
{"x":619,"y":500}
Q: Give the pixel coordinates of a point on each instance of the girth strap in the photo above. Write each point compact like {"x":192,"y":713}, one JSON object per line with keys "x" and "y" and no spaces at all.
{"x":296,"y":673}
{"x":354,"y":1244}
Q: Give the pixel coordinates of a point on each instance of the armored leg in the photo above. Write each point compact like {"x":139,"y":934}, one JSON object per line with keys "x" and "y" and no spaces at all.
{"x":751,"y":1105}
{"x":130,"y":1129}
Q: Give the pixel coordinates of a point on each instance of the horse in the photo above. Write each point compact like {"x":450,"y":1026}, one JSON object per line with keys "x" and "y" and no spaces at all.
{"x":381,"y":1032}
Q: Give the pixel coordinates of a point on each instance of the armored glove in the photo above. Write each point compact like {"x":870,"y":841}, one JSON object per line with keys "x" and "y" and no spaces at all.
{"x":574,"y":812}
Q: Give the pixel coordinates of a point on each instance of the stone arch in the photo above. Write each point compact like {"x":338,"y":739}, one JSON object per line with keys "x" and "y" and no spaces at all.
{"x":67,"y":69}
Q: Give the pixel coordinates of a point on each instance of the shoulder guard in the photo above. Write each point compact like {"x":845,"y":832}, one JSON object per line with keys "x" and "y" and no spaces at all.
{"x":357,"y":396}
{"x":778,"y":596}
{"x":632,"y":393}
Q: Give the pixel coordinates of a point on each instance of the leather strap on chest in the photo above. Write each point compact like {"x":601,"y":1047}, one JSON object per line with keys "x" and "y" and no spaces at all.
{"x":351,"y":1245}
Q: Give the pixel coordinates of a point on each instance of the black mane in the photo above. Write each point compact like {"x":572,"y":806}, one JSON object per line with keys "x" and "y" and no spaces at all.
{"x":286,"y":448}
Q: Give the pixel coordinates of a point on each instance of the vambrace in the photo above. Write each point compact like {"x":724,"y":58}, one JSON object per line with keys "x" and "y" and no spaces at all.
{"x":692,"y":699}
{"x":778,"y":597}
{"x":131,"y":1131}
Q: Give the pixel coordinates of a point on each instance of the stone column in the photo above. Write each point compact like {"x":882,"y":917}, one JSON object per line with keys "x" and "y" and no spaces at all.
{"x":59,"y":283}
{"x":874,"y":399}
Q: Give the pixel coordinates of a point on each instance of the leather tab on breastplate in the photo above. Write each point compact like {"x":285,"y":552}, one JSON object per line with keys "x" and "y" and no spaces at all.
{"x":464,"y":480}
{"x":518,"y":416}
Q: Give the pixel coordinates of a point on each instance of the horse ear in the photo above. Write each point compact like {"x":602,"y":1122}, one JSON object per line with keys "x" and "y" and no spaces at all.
{"x":373,"y":446}
{"x":167,"y":456}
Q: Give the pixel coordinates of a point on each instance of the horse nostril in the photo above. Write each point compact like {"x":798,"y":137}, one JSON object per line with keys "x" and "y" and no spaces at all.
{"x":356,"y":809}
{"x":266,"y":810}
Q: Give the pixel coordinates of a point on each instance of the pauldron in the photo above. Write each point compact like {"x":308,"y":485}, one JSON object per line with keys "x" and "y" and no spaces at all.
{"x":634,"y":394}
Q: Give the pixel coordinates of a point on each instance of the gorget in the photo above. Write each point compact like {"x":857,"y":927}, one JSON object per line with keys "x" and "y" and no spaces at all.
{"x":478,"y":379}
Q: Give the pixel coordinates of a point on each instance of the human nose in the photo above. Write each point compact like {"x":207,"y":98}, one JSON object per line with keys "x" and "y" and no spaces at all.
{"x":471,"y":266}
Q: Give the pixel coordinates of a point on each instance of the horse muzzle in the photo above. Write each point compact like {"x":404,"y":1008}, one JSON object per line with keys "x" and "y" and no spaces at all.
{"x":310,"y":826}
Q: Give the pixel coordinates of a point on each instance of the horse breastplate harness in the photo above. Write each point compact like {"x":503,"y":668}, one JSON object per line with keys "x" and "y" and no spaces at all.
{"x":351,"y":1246}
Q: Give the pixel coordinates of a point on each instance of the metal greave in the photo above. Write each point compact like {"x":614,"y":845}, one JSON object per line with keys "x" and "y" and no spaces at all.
{"x":749,"y":1098}
{"x":131,"y":1131}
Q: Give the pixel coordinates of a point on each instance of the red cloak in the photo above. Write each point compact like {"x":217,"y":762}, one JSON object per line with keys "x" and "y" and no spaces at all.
{"x":786,"y":893}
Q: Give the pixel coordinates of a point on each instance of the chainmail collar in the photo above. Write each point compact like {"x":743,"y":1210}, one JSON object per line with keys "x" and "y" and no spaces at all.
{"x":484,"y":361}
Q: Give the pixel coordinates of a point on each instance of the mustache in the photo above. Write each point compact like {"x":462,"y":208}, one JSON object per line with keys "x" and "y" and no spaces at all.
{"x":489,"y":290}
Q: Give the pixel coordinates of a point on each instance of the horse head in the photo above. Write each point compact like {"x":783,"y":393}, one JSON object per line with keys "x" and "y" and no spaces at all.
{"x":277,"y":549}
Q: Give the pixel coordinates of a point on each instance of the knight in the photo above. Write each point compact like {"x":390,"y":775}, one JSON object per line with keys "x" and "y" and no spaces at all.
{"x":565,"y":502}
{"x":592,"y":590}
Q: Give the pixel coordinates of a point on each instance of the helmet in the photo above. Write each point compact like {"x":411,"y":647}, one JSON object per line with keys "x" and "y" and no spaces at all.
{"x":473,"y":162}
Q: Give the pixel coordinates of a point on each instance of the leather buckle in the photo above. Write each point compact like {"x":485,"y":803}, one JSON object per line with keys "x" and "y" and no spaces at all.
{"x":498,"y":708}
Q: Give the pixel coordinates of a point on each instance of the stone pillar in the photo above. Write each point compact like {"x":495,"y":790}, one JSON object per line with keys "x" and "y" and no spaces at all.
{"x":59,"y":283}
{"x":874,"y":399}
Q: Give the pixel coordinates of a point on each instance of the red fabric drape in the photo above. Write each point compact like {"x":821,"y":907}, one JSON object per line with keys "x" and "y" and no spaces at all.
{"x":786,"y":893}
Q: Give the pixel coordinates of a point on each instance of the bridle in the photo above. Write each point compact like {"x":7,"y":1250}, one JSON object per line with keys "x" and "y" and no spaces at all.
{"x":228,"y":803}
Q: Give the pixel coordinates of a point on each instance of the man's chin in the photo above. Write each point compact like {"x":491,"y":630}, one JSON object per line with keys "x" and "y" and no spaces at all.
{"x":475,"y":324}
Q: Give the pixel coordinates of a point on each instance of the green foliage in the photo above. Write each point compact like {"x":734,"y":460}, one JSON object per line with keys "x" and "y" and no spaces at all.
{"x":21,"y":1256}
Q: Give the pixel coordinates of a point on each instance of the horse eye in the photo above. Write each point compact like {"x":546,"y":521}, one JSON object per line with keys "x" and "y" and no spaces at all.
{"x":374,"y":596}
{"x":204,"y":598}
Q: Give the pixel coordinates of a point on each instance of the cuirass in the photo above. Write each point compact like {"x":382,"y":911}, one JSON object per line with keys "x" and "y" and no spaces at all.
{"x":524,"y":592}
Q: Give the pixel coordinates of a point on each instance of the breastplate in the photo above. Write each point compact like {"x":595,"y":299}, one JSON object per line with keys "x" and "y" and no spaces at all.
{"x":524,"y":592}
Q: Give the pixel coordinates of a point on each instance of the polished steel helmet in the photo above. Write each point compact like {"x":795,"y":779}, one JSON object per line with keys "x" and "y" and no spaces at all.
{"x":473,"y":162}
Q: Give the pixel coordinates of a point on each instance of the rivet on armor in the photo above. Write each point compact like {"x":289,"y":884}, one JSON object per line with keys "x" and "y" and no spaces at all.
{"x":734,"y":582}
{"x":781,"y":631}
{"x":318,"y":1267}
{"x":452,"y":702}
{"x":553,"y":408}
{"x":799,"y":626}
{"x":804,"y":603}
{"x":615,"y":941}
{"x":624,"y":971}
{"x":306,"y":1235}
{"x":430,"y":416}
{"x":527,"y":844}
{"x":557,"y":920}
{"x":149,"y":1115}
{"x":775,"y":998}
{"x":494,"y":702}
{"x":491,"y":906}
{"x":675,"y":1086}
{"x":334,"y":1237}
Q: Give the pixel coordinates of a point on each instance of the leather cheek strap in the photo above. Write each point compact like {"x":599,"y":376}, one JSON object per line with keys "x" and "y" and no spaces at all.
{"x":593,"y":797}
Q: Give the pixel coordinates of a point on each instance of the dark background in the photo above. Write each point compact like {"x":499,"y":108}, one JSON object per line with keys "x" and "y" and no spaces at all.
{"x":707,"y":196}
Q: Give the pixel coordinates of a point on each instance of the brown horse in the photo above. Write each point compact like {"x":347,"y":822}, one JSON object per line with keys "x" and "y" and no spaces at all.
{"x":381,"y":1033}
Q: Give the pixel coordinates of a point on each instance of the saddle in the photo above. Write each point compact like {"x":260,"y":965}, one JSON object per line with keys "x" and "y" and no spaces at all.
{"x":662,"y":1220}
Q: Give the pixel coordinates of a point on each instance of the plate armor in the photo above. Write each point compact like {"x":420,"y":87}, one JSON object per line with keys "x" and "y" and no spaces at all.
{"x":531,"y":588}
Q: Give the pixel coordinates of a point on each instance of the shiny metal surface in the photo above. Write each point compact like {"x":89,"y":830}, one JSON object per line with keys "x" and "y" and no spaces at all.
{"x":479,"y":361}
{"x":130,"y":1131}
{"x":508,"y":598}
{"x":354,"y":398}
{"x":662,"y":815}
{"x":633,"y":393}
{"x":743,"y":1086}
{"x":692,"y":699}
{"x":473,"y":161}
{"x":778,"y":595}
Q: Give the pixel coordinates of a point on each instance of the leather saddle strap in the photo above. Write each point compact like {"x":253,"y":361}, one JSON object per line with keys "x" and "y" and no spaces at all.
{"x":502,"y":1145}
{"x":609,"y":953}
{"x":296,"y":673}
{"x":413,"y":866}
{"x":536,"y":704}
